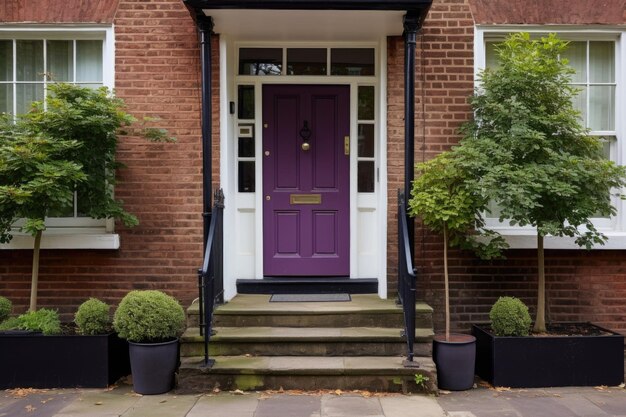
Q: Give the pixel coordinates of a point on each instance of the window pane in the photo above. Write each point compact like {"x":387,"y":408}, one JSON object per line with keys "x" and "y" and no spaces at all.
{"x":246,"y":176}
{"x":491,"y":55}
{"x":26,"y":94}
{"x":90,"y":85}
{"x":352,"y":61}
{"x":6,"y":60}
{"x":245,"y":110}
{"x":306,"y":61}
{"x":260,"y":61}
{"x":602,"y":107}
{"x":366,"y":103}
{"x":366,"y":177}
{"x":576,"y":54}
{"x":65,"y":212}
{"x":601,"y":62}
{"x":59,"y":60}
{"x":246,"y":147}
{"x":366,"y":141}
{"x":580,"y":103}
{"x":89,"y":61}
{"x":29,"y":60}
{"x":6,"y":98}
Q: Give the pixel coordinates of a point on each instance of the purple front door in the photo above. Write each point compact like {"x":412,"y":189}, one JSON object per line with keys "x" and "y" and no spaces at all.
{"x":306,"y":180}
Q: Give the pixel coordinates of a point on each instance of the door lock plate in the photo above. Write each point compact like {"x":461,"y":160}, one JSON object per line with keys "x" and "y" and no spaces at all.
{"x":346,"y":145}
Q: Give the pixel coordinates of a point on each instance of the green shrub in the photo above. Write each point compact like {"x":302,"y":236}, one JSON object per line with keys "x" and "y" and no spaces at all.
{"x":149,"y":316}
{"x":42,"y":320}
{"x":509,"y":317}
{"x":92,"y":317}
{"x":5,"y":308}
{"x":12,"y":323}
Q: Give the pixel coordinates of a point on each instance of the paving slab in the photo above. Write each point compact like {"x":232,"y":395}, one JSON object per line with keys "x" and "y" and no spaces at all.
{"x":350,"y":405}
{"x":40,"y":404}
{"x":411,"y":406}
{"x":165,"y":405}
{"x":225,"y":405}
{"x":101,"y":403}
{"x":289,"y":405}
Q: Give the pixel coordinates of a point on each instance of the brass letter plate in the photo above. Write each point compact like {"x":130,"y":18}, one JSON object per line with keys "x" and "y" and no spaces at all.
{"x":305,"y":199}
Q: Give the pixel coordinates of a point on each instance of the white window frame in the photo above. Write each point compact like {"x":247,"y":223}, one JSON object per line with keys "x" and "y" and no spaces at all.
{"x":614,"y":228}
{"x":71,"y":232}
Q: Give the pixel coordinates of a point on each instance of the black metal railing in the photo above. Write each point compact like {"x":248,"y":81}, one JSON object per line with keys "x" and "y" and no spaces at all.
{"x":406,"y":276}
{"x":211,"y":275}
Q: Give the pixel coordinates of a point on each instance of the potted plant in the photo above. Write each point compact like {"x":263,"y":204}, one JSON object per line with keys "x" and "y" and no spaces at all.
{"x":151,"y":321}
{"x":507,"y":356}
{"x":447,"y":203}
{"x":534,"y":159}
{"x":39,"y":351}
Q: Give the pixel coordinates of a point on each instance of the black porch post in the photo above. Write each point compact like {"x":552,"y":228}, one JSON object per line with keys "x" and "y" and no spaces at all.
{"x":205,"y":28}
{"x":411,"y":25}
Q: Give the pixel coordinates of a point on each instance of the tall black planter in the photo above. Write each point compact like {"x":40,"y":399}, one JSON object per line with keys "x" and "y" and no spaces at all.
{"x":153,"y":366}
{"x":455,"y":361}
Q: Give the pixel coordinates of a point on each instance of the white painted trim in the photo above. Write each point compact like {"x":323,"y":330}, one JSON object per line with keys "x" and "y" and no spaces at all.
{"x":382,"y":170}
{"x":614,"y":229}
{"x":65,"y":240}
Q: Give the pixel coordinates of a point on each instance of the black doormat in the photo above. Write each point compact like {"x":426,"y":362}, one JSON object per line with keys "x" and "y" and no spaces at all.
{"x":302,"y":298}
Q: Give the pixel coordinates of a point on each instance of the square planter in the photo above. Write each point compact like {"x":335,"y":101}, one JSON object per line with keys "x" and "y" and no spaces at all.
{"x":550,"y":361}
{"x":66,"y":361}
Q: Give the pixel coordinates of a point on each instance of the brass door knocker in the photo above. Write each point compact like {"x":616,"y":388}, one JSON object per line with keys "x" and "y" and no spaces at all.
{"x":305,"y":134}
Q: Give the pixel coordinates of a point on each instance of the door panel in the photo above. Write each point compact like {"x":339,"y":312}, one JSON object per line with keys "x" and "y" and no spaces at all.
{"x":306,"y":192}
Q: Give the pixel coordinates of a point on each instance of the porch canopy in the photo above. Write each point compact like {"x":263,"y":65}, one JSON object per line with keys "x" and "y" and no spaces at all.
{"x":270,"y":20}
{"x":273,"y":20}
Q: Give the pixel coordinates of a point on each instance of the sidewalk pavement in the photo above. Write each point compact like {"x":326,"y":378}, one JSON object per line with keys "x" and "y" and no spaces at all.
{"x":479,"y":402}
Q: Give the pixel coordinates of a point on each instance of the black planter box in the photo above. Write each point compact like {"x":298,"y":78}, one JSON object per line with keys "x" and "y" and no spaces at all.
{"x":34,"y":360}
{"x":551,"y":361}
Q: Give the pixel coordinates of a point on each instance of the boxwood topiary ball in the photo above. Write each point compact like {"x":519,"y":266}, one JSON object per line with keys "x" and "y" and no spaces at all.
{"x":5,"y":308}
{"x":148,"y":317}
{"x":509,"y":317}
{"x":92,"y":317}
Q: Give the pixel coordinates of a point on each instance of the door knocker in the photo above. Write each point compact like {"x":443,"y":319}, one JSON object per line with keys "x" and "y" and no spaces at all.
{"x":305,"y":134}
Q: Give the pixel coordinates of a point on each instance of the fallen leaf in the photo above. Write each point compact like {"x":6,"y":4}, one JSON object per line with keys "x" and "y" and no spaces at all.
{"x":29,"y":408}
{"x":238,"y":392}
{"x":601,"y":387}
{"x":162,"y":401}
{"x":216,"y":390}
{"x":444,"y":392}
{"x":622,"y":385}
{"x":338,"y":392}
{"x":98,"y":403}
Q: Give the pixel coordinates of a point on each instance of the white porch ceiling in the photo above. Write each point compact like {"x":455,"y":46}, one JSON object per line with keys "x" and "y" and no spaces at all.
{"x":306,"y":25}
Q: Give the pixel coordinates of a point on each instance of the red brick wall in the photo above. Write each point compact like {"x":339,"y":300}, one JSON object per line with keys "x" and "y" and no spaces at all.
{"x":582,"y":285}
{"x":157,"y":74}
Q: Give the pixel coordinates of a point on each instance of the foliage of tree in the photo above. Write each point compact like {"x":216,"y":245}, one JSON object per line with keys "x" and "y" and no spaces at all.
{"x":445,"y":200}
{"x":530,"y":153}
{"x":64,"y":145}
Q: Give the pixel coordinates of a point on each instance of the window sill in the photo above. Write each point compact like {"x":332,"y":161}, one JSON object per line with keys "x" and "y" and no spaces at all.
{"x":66,"y":241}
{"x":527,"y":239}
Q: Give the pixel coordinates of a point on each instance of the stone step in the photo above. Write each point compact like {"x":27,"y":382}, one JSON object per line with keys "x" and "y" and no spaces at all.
{"x":297,"y":341}
{"x":379,"y":374}
{"x":365,"y":310}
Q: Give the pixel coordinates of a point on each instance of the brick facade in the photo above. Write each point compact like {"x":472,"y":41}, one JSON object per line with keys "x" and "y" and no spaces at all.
{"x":157,"y":74}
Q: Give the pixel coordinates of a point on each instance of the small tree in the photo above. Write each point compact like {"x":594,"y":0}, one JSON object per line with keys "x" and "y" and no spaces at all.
{"x":445,"y":200}
{"x":67,"y":146}
{"x":531,"y":155}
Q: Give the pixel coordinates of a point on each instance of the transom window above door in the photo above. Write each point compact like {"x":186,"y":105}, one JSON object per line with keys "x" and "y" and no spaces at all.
{"x":307,"y":61}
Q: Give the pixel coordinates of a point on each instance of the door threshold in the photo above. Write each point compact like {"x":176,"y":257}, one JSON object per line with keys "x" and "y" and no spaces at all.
{"x":307,"y":285}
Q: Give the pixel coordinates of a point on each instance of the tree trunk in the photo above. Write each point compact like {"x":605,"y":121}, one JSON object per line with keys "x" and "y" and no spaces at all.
{"x":446,"y":283}
{"x":35,"y":272}
{"x":540,"y":321}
